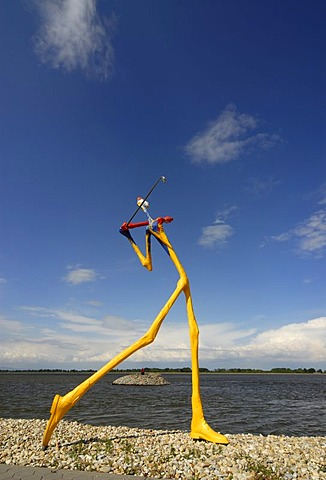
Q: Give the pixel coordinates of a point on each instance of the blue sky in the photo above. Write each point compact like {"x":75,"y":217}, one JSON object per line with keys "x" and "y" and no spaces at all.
{"x":227,"y":100}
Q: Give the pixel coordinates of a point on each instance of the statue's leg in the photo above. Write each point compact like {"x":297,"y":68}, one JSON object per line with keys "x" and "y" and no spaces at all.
{"x":61,"y":405}
{"x":199,"y":427}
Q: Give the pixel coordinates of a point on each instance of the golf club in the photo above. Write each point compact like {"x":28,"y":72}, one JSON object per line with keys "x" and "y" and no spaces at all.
{"x":139,"y":206}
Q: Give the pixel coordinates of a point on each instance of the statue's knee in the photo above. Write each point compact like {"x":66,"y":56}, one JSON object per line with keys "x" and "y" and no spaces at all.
{"x":182,"y":284}
{"x":148,"y":338}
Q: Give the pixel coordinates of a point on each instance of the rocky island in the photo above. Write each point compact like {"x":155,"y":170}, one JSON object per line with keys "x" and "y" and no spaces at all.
{"x":152,"y":379}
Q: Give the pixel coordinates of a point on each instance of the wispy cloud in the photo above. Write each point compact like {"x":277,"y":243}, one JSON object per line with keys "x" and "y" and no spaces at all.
{"x":77,"y":275}
{"x":68,"y":320}
{"x":94,"y":303}
{"x":261,"y":186}
{"x":291,"y":343}
{"x":217,"y":234}
{"x":73,"y":36}
{"x":309,"y":236}
{"x":323,"y":195}
{"x":10,"y":326}
{"x":58,"y":336}
{"x":302,"y":343}
{"x":229,"y":136}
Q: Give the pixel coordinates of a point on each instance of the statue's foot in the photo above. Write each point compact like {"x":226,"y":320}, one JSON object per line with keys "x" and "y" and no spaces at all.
{"x":57,"y":412}
{"x":200,"y":430}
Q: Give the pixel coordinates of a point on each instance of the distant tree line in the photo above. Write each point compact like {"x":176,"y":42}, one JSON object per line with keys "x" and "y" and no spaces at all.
{"x":173,"y":370}
{"x":273,"y":370}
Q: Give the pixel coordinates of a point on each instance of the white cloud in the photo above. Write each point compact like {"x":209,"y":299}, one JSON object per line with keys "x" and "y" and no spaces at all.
{"x":320,"y":193}
{"x":309,"y":236}
{"x":323,"y":200}
{"x":2,"y":281}
{"x":64,"y":337}
{"x":295,"y":343}
{"x":229,"y":136}
{"x":220,"y":232}
{"x":302,"y":342}
{"x":78,"y":275}
{"x":215,"y":235}
{"x":12,"y":326}
{"x":56,"y":343}
{"x":110,"y":325}
{"x":73,"y":36}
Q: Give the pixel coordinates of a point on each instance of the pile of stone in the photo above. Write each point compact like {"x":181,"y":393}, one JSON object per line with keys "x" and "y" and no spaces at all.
{"x":141,"y":379}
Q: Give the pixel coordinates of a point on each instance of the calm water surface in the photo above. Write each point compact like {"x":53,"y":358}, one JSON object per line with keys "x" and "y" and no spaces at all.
{"x":259,"y":404}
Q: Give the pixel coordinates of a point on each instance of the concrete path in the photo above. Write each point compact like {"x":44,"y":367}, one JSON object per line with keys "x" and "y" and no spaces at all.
{"x":15,"y":472}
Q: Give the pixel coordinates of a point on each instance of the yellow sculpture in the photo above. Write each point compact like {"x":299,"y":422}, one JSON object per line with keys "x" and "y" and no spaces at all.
{"x":199,"y":427}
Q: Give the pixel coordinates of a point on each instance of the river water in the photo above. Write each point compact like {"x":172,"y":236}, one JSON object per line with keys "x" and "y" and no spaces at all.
{"x":259,"y":404}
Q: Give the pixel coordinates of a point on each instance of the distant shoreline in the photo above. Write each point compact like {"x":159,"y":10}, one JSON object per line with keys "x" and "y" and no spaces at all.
{"x":303,"y":371}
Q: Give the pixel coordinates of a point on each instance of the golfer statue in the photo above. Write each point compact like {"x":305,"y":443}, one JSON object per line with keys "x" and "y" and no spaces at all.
{"x":154,"y":228}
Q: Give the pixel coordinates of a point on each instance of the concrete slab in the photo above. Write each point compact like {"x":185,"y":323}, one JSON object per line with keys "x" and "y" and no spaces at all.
{"x":16,"y":472}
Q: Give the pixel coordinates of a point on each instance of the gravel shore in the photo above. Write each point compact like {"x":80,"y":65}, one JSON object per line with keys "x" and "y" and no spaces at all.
{"x":161,"y":453}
